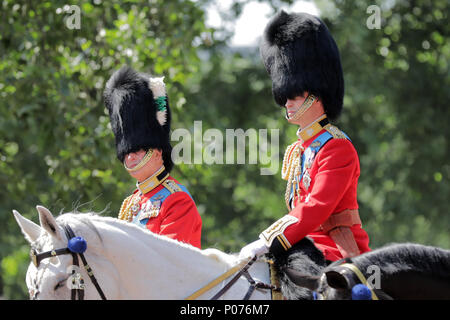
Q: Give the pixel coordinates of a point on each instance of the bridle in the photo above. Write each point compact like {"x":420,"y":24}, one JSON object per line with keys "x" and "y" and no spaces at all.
{"x":348,"y":265}
{"x":75,"y":247}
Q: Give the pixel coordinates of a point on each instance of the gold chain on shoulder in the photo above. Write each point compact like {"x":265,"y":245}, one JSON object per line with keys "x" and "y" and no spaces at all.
{"x":125,"y":209}
{"x":123,"y":206}
{"x":291,"y":168}
{"x":288,"y":159}
{"x":291,"y":163}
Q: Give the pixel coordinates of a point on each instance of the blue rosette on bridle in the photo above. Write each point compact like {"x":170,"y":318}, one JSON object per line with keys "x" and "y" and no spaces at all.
{"x":77,"y":245}
{"x":361,"y":292}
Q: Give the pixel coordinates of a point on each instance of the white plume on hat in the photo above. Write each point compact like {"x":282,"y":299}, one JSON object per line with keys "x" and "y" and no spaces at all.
{"x":157,"y":86}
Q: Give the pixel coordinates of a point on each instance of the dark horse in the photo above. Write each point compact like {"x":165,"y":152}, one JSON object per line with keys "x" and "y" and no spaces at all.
{"x":304,"y":259}
{"x":405,"y":271}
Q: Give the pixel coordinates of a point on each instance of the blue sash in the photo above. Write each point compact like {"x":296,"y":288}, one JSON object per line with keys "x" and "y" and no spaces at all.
{"x":313,"y":149}
{"x":159,"y":197}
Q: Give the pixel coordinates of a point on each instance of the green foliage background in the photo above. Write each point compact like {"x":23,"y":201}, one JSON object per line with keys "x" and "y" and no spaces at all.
{"x":56,"y":147}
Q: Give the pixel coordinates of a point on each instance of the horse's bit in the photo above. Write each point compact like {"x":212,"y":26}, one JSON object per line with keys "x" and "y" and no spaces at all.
{"x":76,"y":246}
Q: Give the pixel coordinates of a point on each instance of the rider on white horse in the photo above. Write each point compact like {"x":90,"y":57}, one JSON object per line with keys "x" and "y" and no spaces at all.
{"x":128,"y":262}
{"x":140,"y":119}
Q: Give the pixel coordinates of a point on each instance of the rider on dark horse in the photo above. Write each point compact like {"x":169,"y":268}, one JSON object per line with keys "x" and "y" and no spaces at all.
{"x":322,"y":166}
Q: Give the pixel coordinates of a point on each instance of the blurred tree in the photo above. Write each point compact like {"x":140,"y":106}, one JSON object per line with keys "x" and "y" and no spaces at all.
{"x":234,"y":92}
{"x":56,"y":147}
{"x":396,"y":111}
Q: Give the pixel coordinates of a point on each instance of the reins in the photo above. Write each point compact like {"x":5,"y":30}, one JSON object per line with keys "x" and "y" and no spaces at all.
{"x":242,"y":270}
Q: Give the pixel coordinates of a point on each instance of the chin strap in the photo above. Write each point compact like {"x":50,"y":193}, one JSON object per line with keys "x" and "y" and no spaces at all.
{"x":143,"y":162}
{"x":309,"y":101}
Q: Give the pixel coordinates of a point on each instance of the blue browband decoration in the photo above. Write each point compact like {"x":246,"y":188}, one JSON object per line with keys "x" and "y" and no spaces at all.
{"x":361,"y":292}
{"x":77,"y":245}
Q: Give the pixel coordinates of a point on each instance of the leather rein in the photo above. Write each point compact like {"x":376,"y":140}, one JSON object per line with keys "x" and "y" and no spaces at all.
{"x":77,"y":285}
{"x":240,"y":272}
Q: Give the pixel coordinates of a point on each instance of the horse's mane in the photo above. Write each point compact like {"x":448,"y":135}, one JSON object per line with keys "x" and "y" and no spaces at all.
{"x":395,"y":258}
{"x":303,"y":257}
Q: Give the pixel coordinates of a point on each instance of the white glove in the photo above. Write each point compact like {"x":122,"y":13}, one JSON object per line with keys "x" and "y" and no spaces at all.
{"x":255,"y":249}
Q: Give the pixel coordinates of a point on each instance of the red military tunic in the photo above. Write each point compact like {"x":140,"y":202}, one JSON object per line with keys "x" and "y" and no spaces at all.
{"x":174,"y":216}
{"x":331,"y":189}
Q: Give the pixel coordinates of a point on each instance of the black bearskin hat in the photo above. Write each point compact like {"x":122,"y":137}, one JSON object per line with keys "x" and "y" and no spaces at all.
{"x":139,"y":112}
{"x":300,"y":55}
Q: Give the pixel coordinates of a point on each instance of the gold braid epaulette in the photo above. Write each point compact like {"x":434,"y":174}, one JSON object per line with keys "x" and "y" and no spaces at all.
{"x":171,"y":186}
{"x":335,"y":132}
{"x":124,"y":208}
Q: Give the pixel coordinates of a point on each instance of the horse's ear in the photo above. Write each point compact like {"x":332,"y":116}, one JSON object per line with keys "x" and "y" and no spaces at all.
{"x":30,"y":230}
{"x":48,"y":222}
{"x":301,"y":279}
{"x":337,"y":280}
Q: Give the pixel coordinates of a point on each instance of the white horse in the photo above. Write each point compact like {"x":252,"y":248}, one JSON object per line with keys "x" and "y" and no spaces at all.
{"x":129,"y":262}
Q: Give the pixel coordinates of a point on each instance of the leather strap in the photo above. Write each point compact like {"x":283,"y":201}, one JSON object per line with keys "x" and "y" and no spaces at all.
{"x":70,"y":234}
{"x":79,"y":288}
{"x":217,"y":280}
{"x":234,"y":279}
{"x":275,"y":281}
{"x":346,"y":218}
{"x":345,"y":241}
{"x":360,"y":276}
{"x":338,"y":228}
{"x":241,"y":271}
{"x":36,"y":258}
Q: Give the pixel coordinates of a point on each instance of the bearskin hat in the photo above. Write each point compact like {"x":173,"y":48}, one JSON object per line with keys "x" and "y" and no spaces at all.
{"x":300,"y":55}
{"x":139,"y":112}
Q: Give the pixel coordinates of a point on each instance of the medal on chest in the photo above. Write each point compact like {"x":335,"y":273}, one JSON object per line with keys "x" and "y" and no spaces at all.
{"x":309,"y":156}
{"x":150,"y":209}
{"x":135,"y":206}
